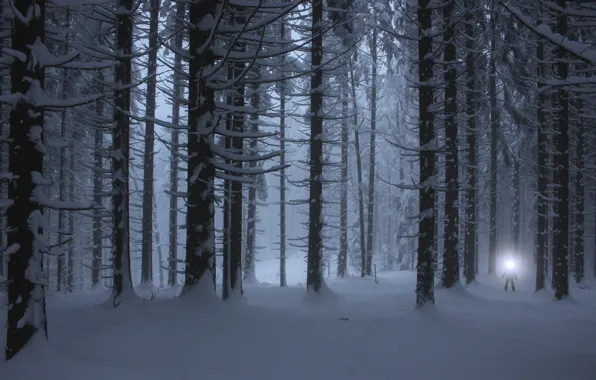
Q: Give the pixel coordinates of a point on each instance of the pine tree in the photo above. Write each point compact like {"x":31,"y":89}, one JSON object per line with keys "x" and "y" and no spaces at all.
{"x":451,"y":224}
{"x":26,"y":277}
{"x":200,"y":237}
{"x":561,"y":172}
{"x":178,"y":93}
{"x":314,"y":278}
{"x":122,"y":282}
{"x":470,"y":253}
{"x":149,"y":152}
{"x":426,"y":217}
{"x":372,"y":151}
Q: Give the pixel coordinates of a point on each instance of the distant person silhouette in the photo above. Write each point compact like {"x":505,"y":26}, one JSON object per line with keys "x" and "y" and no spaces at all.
{"x":510,"y":276}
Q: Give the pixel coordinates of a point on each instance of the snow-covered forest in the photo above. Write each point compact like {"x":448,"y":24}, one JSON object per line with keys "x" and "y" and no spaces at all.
{"x":292,"y":189}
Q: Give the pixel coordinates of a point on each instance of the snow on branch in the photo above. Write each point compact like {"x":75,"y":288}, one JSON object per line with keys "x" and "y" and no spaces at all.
{"x":226,"y":154}
{"x":578,"y":49}
{"x":43,"y":200}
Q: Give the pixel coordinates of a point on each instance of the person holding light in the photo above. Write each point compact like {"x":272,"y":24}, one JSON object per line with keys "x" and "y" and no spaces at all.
{"x":510,"y":276}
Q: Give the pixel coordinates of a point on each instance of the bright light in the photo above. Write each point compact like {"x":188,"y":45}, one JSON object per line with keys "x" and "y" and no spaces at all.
{"x":510,"y":264}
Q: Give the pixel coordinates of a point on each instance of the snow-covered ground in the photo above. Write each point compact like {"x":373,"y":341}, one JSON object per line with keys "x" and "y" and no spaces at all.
{"x":357,"y":330}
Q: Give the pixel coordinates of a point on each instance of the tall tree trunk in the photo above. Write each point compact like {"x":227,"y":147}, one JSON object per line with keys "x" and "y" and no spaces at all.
{"x":250,"y":274}
{"x":470,"y":254}
{"x":70,"y":285}
{"x":149,"y":154}
{"x":561,"y":173}
{"x":97,"y":188}
{"x":494,"y":129}
{"x":359,"y":172}
{"x":200,"y":234}
{"x":314,"y":278}
{"x":371,"y":172}
{"x":2,"y":121}
{"x":342,"y":259}
{"x":579,"y":197}
{"x":451,"y":221}
{"x":26,"y":292}
{"x":426,"y":130}
{"x":122,"y":283}
{"x":236,"y":218}
{"x":282,"y":173}
{"x":541,"y":165}
{"x":227,"y":194}
{"x":63,"y":167}
{"x":580,"y":188}
{"x":178,"y":93}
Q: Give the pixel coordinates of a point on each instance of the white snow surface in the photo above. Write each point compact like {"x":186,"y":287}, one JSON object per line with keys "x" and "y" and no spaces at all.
{"x":478,"y":332}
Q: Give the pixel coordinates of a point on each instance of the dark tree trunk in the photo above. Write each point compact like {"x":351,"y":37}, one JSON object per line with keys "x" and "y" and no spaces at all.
{"x":451,"y":221}
{"x":578,"y":269}
{"x":342,"y":259}
{"x":561,"y":173}
{"x":359,"y":171}
{"x":2,"y":121}
{"x":227,"y":195}
{"x":250,"y":274}
{"x":122,"y":285}
{"x":63,"y":167}
{"x":494,"y":130}
{"x":314,"y":278}
{"x":70,"y":285}
{"x":371,"y":173}
{"x":282,"y":173}
{"x":470,"y":253}
{"x":149,"y":154}
{"x":200,"y":238}
{"x":426,"y":130}
{"x":235,"y":233}
{"x":542,"y":171}
{"x":26,"y":295}
{"x":97,"y":188}
{"x":178,"y":93}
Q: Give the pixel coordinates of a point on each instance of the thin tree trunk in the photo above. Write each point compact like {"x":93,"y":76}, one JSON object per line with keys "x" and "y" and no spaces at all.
{"x":149,"y":154}
{"x":122,"y":283}
{"x":236,"y":218}
{"x":70,"y":285}
{"x":26,"y":314}
{"x":97,"y":189}
{"x":227,"y":196}
{"x":342,"y":259}
{"x":2,"y":121}
{"x":359,"y":171}
{"x":371,"y":173}
{"x":579,"y":197}
{"x":282,"y":173}
{"x":426,"y":217}
{"x":314,"y":278}
{"x":63,"y":169}
{"x":494,"y":129}
{"x":471,"y":253}
{"x":200,"y":236}
{"x":561,"y":173}
{"x":250,"y":274}
{"x":451,"y":221}
{"x":178,"y":93}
